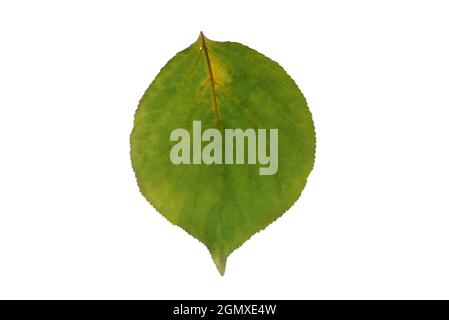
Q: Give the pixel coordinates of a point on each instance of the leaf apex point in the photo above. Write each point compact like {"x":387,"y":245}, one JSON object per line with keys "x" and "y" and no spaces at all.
{"x":220,"y":263}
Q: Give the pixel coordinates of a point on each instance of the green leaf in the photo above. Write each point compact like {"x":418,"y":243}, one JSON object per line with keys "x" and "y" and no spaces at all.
{"x":223,"y":85}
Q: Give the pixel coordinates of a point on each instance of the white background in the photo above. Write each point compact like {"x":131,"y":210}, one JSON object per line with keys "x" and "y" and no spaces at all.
{"x":373,"y":221}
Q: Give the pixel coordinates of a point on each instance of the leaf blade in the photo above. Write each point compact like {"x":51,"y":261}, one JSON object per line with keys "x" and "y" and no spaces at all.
{"x":247,"y":90}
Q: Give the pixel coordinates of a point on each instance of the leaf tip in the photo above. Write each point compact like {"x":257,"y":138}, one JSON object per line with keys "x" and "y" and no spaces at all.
{"x":220,"y":263}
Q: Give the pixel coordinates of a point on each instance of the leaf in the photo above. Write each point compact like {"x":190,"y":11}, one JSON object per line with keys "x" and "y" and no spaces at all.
{"x":223,"y":85}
